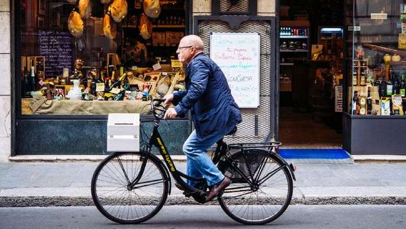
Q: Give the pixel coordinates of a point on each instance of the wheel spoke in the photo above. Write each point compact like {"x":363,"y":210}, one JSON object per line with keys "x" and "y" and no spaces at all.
{"x":263,"y":202}
{"x":114,"y":197}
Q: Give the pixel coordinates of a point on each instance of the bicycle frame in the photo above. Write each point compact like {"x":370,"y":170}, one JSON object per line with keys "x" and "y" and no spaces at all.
{"x":156,"y":140}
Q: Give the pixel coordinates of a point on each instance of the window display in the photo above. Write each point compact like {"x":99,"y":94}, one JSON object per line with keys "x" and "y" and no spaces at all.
{"x":378,"y":69}
{"x":97,"y":57}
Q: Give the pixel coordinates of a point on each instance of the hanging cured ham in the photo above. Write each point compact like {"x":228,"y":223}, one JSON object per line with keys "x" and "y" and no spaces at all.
{"x":109,"y":27}
{"x":152,"y":8}
{"x":118,"y":10}
{"x":75,"y":24}
{"x":145,"y":27}
{"x":73,"y":2}
{"x":85,"y":8}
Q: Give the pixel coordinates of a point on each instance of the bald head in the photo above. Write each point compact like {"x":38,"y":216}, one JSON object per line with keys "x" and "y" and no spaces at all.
{"x":192,"y":40}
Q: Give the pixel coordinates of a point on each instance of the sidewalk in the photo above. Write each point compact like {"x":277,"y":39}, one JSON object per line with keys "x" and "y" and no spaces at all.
{"x":318,"y":182}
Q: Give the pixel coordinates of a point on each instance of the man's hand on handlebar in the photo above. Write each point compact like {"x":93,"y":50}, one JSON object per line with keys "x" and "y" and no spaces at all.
{"x":168,"y":99}
{"x":170,"y":113}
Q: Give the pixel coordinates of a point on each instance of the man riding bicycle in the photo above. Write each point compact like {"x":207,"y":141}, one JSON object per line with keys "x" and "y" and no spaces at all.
{"x":214,"y":112}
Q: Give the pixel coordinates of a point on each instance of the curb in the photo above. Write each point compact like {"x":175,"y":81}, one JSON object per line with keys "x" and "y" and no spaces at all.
{"x":63,"y":201}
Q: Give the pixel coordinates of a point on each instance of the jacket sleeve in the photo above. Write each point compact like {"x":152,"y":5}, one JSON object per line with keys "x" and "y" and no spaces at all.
{"x":198,"y":82}
{"x":177,"y":96}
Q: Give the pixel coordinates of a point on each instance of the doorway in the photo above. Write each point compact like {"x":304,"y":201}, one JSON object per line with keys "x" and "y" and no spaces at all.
{"x":311,"y":61}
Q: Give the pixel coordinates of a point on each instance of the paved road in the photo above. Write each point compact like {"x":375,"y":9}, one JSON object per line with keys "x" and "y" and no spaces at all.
{"x":299,"y":216}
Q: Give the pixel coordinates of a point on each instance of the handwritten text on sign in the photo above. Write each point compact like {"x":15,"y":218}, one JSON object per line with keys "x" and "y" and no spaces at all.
{"x":57,"y":47}
{"x":237,"y":54}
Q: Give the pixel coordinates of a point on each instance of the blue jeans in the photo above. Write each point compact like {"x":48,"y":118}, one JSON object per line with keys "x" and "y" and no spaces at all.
{"x":199,"y":164}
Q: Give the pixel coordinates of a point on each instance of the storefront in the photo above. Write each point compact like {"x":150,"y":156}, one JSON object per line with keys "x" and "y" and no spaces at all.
{"x":342,"y":62}
{"x":70,"y":68}
{"x":375,"y":117}
{"x":78,"y":61}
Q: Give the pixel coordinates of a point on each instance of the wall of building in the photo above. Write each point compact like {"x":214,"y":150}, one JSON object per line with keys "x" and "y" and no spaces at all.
{"x":265,"y":7}
{"x":5,"y":81}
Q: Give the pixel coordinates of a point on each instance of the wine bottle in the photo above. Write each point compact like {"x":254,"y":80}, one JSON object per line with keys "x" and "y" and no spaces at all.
{"x":395,"y":83}
{"x":355,"y":103}
{"x":31,"y":81}
{"x":369,"y":102}
{"x":363,"y":81}
{"x":389,"y":89}
{"x":402,"y":90}
{"x":362,"y":105}
{"x":24,"y":83}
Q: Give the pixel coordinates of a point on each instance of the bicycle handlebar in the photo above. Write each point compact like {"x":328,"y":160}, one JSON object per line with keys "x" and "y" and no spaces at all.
{"x":157,"y":109}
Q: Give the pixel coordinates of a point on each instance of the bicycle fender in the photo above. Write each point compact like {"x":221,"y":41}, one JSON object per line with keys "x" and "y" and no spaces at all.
{"x":168,"y":175}
{"x":153,"y":157}
{"x":290,"y":166}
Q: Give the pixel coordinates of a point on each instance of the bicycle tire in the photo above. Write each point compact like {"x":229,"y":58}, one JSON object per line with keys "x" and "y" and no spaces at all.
{"x":110,"y":191}
{"x":264,"y":205}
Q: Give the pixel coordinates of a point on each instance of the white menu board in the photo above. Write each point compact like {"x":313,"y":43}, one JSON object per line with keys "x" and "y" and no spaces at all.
{"x":237,"y":54}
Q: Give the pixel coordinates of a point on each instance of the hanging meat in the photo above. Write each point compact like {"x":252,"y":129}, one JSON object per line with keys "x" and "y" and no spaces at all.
{"x":73,"y":2}
{"x":118,"y":10}
{"x":145,"y":27}
{"x":152,"y":8}
{"x":109,"y":27}
{"x":85,"y":8}
{"x":75,"y":24}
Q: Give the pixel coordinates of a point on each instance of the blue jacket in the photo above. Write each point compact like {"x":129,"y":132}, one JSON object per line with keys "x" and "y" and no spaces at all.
{"x":208,"y":96}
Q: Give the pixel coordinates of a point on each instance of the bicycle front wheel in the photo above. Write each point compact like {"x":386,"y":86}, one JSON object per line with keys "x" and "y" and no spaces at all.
{"x":128,"y":188}
{"x":261,"y":188}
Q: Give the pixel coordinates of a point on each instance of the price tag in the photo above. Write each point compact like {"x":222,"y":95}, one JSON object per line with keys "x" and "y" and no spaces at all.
{"x":115,"y":90}
{"x":100,"y":86}
{"x":379,"y":16}
{"x":156,"y":66}
{"x":176,"y":64}
{"x":354,"y":28}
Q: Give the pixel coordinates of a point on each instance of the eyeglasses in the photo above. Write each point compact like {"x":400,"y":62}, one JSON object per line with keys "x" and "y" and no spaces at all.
{"x":184,"y":47}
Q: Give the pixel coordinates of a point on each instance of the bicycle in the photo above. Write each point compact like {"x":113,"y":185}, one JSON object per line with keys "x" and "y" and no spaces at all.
{"x":131,"y":188}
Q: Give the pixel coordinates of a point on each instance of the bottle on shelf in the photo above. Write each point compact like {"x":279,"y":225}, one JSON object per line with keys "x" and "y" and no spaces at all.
{"x":32,"y":83}
{"x":395,"y":83}
{"x":24,"y":83}
{"x":402,"y":86}
{"x":362,"y":105}
{"x":369,"y":102}
{"x":40,"y":74}
{"x":355,"y":104}
{"x":382,"y":88}
{"x":355,"y":77}
{"x":363,"y":77}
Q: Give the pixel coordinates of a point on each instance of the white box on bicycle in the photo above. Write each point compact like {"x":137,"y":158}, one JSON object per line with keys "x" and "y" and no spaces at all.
{"x":123,"y":133}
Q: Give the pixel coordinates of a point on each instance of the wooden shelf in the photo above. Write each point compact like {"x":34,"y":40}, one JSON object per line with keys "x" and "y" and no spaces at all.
{"x":286,"y":64}
{"x":296,"y":23}
{"x":385,"y":49}
{"x":298,"y":50}
{"x":156,"y":26}
{"x":169,"y":26}
{"x":294,"y":37}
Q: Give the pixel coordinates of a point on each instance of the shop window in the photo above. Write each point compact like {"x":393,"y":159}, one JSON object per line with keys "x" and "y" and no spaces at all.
{"x":94,"y":57}
{"x":377,"y":66}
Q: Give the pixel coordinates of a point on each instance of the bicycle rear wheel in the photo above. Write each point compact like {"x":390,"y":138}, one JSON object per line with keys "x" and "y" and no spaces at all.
{"x":266,"y":198}
{"x":117,"y":200}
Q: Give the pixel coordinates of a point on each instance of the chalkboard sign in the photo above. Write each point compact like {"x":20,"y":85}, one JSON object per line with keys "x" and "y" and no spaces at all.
{"x":57,"y":47}
{"x":237,"y":54}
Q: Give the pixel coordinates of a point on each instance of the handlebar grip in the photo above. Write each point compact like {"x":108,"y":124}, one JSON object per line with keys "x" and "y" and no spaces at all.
{"x":159,"y":100}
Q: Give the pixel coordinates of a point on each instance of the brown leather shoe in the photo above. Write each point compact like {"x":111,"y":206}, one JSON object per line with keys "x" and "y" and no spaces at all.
{"x":216,"y":189}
